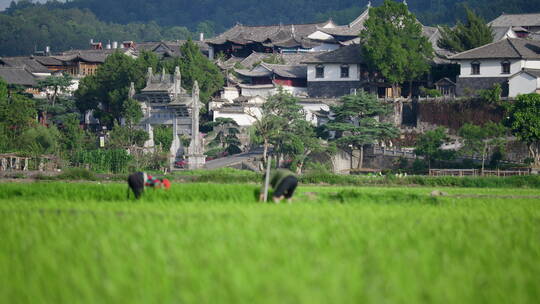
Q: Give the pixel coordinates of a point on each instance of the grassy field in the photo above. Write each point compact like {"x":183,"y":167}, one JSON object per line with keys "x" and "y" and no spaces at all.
{"x":212,"y":243}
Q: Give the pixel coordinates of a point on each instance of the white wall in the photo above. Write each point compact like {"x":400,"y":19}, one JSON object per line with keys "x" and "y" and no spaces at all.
{"x":522,"y":83}
{"x":332,"y":72}
{"x":531,"y":64}
{"x":296,"y":91}
{"x":265,"y":92}
{"x":241,"y":119}
{"x":230,"y":93}
{"x":489,"y":68}
{"x":318,"y":35}
{"x":325,"y":47}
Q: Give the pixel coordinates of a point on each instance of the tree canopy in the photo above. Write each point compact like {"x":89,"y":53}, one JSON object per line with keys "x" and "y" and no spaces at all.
{"x":482,"y":140}
{"x":465,"y":36}
{"x":283,"y":125}
{"x":357,"y":123}
{"x":393,"y":44}
{"x":523,"y":120}
{"x":429,"y":145}
{"x":195,"y":66}
{"x":106,"y":91}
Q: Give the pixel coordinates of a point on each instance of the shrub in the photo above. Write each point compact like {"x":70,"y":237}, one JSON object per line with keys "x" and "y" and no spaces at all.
{"x":104,"y":161}
{"x":77,"y":174}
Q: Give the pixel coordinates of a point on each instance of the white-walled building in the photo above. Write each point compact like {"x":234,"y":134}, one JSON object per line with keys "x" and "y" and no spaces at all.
{"x":497,"y":62}
{"x":524,"y":82}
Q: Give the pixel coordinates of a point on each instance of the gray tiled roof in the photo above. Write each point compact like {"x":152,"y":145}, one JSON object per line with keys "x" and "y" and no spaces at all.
{"x":506,"y":48}
{"x":499,"y":32}
{"x":95,"y":56}
{"x":48,"y":60}
{"x":445,"y":80}
{"x":352,"y":29}
{"x":160,"y":82}
{"x":249,"y":73}
{"x":287,"y":71}
{"x":533,"y":72}
{"x":18,"y":76}
{"x":28,"y":63}
{"x":170,"y":48}
{"x":288,"y":58}
{"x":347,"y":54}
{"x":243,"y":34}
{"x":517,"y":20}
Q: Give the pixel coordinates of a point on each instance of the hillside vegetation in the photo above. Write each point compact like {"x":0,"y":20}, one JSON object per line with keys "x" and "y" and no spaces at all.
{"x":25,"y":26}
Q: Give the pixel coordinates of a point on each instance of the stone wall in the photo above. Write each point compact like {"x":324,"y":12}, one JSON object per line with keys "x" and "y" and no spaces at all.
{"x":470,"y":85}
{"x":454,"y":114}
{"x":331,"y":89}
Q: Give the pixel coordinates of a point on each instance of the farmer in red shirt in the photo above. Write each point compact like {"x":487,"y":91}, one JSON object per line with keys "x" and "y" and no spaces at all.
{"x":140,"y":180}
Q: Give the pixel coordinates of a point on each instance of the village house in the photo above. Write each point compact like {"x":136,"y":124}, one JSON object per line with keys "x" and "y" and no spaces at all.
{"x":242,"y":40}
{"x":23,"y":71}
{"x":497,"y":63}
{"x":516,"y":26}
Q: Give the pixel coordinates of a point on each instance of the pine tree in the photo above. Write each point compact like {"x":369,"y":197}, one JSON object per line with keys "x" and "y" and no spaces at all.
{"x":356,"y":123}
{"x":465,"y":36}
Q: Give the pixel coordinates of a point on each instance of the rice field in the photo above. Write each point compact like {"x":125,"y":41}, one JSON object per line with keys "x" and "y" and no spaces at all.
{"x":212,"y":243}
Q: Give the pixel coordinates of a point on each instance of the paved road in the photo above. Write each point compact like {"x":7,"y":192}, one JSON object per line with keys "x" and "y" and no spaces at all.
{"x":234,"y":159}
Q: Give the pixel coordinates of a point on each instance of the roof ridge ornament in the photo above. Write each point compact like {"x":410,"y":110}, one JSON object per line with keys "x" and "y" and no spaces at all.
{"x":369,"y":4}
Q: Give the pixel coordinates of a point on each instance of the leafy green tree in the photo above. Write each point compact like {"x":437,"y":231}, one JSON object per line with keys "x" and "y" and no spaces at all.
{"x":17,"y":113}
{"x":482,"y":140}
{"x":282,"y":124}
{"x":163,"y":135}
{"x":123,"y":137}
{"x":224,"y":135}
{"x":429,"y":145}
{"x":465,"y":36}
{"x":393,"y":44}
{"x":195,"y":66}
{"x":105,"y":92}
{"x":73,"y":136}
{"x":357,"y":123}
{"x":54,"y":86}
{"x":493,"y":95}
{"x":523,"y":120}
{"x":39,"y":140}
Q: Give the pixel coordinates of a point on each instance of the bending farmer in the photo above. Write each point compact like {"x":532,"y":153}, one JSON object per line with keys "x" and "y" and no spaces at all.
{"x":139,"y":180}
{"x":283,"y":183}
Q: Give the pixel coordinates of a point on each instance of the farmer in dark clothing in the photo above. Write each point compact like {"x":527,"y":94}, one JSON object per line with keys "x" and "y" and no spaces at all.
{"x":139,"y":180}
{"x":283,"y":182}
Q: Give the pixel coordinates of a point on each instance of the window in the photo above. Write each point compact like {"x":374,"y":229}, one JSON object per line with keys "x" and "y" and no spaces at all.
{"x":319,"y":71}
{"x":505,"y":67}
{"x":475,"y":68}
{"x":344,"y":71}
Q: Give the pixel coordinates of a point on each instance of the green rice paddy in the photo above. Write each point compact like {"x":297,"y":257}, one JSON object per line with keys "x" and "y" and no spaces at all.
{"x":212,"y":243}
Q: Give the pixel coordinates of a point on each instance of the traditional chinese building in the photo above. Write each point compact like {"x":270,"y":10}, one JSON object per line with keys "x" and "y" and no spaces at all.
{"x":165,"y":102}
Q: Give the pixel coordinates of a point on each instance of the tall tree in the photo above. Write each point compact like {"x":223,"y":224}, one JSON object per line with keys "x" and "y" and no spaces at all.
{"x":224,"y":135}
{"x":54,"y":86}
{"x":357,"y":123}
{"x":17,"y":113}
{"x":523,"y":120}
{"x":429,"y":145}
{"x":195,"y":66}
{"x":465,"y":36}
{"x":106,"y":91}
{"x":393,"y":44}
{"x":282,"y":124}
{"x":482,"y":140}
